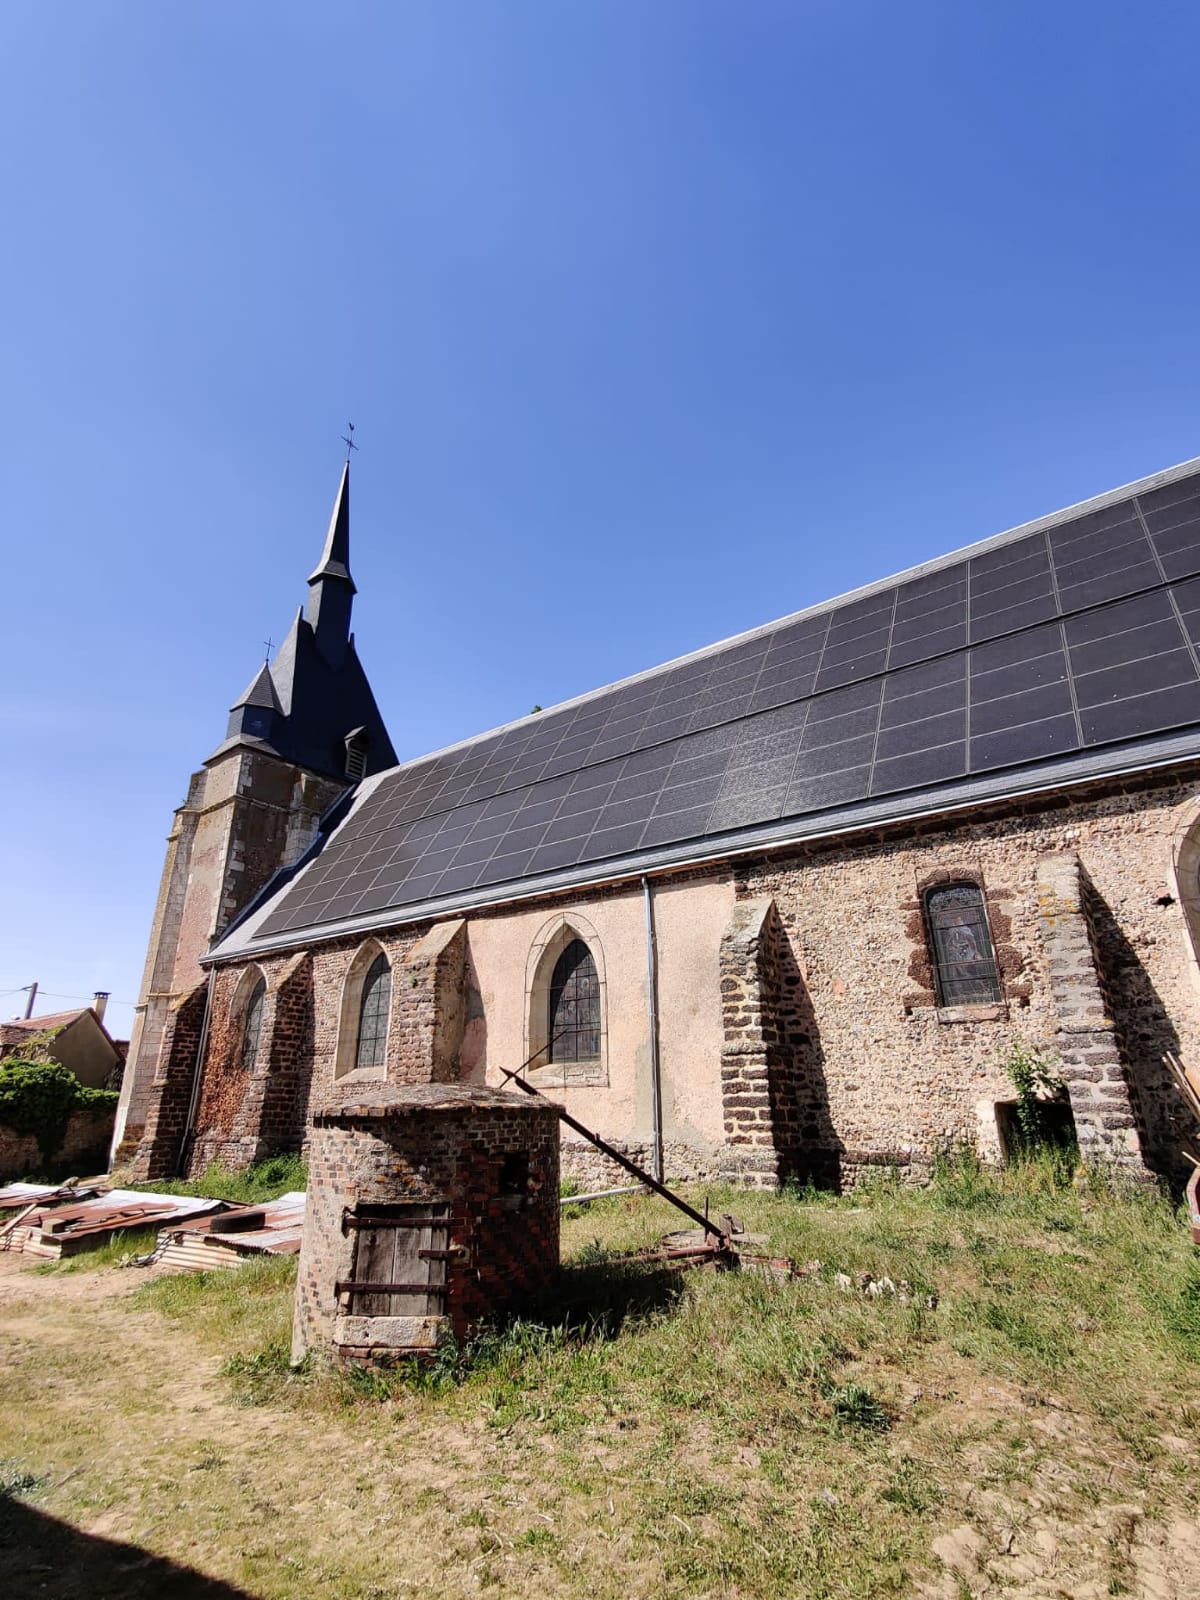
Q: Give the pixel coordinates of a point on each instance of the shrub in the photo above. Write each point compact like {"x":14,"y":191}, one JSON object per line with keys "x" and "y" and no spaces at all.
{"x":1038,"y":1086}
{"x":38,"y":1097}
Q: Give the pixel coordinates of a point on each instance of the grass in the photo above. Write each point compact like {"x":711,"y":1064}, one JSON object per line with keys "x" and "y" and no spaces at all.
{"x":265,"y":1180}
{"x":116,"y":1251}
{"x":711,"y":1434}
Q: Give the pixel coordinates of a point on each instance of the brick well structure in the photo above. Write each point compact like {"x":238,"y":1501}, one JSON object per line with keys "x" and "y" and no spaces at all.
{"x":442,"y":1198}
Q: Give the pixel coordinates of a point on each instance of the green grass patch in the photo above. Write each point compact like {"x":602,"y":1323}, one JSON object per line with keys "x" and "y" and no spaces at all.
{"x":117,"y":1250}
{"x":742,"y":1436}
{"x":265,"y":1180}
{"x":246,"y":1309}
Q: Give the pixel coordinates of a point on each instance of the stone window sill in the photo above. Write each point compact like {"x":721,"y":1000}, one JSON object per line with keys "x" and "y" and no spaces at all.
{"x":361,"y":1075}
{"x":995,"y":1011}
{"x":569,"y":1075}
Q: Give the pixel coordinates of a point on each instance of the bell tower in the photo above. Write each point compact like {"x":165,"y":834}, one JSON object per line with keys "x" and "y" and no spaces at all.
{"x":305,"y":731}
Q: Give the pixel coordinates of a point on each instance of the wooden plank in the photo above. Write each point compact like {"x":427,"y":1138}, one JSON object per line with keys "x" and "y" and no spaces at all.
{"x":411,"y":1272}
{"x":1184,"y":1079}
{"x":346,"y":1286}
{"x":374,"y":1263}
{"x":399,"y":1267}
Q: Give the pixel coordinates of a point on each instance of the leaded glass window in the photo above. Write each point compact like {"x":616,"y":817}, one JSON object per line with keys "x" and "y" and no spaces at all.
{"x":963,"y":960}
{"x":373,"y":1014}
{"x":252,"y":1025}
{"x":574,"y":1022}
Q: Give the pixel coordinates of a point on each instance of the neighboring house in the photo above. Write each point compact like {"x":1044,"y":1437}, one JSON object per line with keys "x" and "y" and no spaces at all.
{"x":777,"y":909}
{"x":77,"y":1039}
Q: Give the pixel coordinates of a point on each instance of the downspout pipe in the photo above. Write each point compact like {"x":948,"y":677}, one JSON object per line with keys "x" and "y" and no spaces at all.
{"x":197,"y":1077}
{"x":656,"y":1128}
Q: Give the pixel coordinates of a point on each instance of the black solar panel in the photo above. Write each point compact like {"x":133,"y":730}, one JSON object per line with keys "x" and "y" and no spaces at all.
{"x":1054,"y":642}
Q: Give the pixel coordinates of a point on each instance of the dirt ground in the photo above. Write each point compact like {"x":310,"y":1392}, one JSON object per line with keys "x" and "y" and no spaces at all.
{"x":136,"y":1474}
{"x":139,"y":1442}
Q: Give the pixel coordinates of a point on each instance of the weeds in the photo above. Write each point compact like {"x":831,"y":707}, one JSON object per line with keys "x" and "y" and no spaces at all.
{"x":16,"y":1480}
{"x":1179,"y":1310}
{"x":856,"y":1407}
{"x":116,"y":1251}
{"x":253,"y":1185}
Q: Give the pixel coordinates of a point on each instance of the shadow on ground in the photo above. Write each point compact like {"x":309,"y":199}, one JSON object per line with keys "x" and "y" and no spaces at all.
{"x":41,"y":1556}
{"x":602,"y":1295}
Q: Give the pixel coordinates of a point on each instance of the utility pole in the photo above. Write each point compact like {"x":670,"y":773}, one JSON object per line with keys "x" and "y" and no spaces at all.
{"x":31,"y":989}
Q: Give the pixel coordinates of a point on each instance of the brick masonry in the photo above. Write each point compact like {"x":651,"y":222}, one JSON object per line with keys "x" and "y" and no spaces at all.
{"x":160,"y":1149}
{"x":246,"y":816}
{"x":436,"y":1144}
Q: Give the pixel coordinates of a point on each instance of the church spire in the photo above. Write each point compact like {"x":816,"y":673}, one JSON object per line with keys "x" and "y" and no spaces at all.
{"x":331,"y":588}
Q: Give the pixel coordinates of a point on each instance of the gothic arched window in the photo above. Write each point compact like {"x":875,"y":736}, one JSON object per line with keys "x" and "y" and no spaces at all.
{"x":574,"y":1021}
{"x":373,"y":1014}
{"x":252,"y":1025}
{"x":963,"y":960}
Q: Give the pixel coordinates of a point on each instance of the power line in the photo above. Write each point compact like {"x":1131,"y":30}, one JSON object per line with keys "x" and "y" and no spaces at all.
{"x":53,"y":994}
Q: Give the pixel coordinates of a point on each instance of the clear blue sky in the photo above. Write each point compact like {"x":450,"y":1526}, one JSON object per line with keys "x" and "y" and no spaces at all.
{"x":658,"y":319}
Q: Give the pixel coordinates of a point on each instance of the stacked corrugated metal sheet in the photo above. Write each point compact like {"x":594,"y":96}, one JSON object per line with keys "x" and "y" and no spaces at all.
{"x":232,"y":1237}
{"x":52,"y":1222}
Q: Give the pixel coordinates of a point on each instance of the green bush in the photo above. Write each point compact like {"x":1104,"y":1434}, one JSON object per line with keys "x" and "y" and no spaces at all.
{"x":38,"y":1097}
{"x":1037,"y":1086}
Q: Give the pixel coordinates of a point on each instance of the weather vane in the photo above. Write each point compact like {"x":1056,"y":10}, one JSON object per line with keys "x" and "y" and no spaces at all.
{"x":348,"y":440}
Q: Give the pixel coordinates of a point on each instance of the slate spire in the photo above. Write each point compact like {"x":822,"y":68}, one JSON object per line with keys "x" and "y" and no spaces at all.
{"x":331,"y":589}
{"x":313,"y":702}
{"x":261,"y":692}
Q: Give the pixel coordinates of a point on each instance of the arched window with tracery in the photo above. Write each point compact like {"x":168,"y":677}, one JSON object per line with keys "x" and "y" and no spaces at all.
{"x":573,"y":1025}
{"x":252,"y":1019}
{"x":371,"y":1047}
{"x":964,"y":962}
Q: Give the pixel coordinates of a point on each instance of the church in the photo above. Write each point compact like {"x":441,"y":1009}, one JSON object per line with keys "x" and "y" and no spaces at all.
{"x":778,"y":910}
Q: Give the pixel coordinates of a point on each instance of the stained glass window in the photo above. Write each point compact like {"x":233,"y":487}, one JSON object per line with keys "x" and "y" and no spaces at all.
{"x":962,"y":946}
{"x":574,"y":1030}
{"x":373,"y":1014}
{"x":252,"y":1025}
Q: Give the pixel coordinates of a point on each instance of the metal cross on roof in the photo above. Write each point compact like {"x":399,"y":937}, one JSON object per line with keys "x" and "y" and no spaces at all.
{"x":348,"y":440}
{"x":270,"y":644}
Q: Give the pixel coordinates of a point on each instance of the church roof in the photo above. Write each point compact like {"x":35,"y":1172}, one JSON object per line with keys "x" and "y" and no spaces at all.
{"x":1064,"y":649}
{"x":302,"y":706}
{"x":335,"y":558}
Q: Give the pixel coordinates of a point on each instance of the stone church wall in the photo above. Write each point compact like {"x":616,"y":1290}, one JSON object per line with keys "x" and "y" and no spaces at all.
{"x":903,"y":1078}
{"x":800,"y":1035}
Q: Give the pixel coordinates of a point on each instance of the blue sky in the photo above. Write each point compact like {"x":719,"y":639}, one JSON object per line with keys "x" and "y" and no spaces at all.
{"x":657,"y":319}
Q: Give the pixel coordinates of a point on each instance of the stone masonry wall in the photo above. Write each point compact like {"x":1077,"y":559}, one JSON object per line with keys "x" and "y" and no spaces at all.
{"x":242,"y":1116}
{"x":590,"y":1170}
{"x":1089,"y":1060}
{"x":82,"y":1152}
{"x":902,"y":1078}
{"x":245,"y":1114}
{"x":247,"y":816}
{"x":753,"y":1143}
{"x":832,"y":1005}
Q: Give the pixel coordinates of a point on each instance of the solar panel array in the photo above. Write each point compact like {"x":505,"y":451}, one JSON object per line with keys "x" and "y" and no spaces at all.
{"x":1064,"y":640}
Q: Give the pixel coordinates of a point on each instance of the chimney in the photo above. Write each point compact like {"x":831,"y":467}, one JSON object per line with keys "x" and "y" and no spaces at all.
{"x":99,"y":1001}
